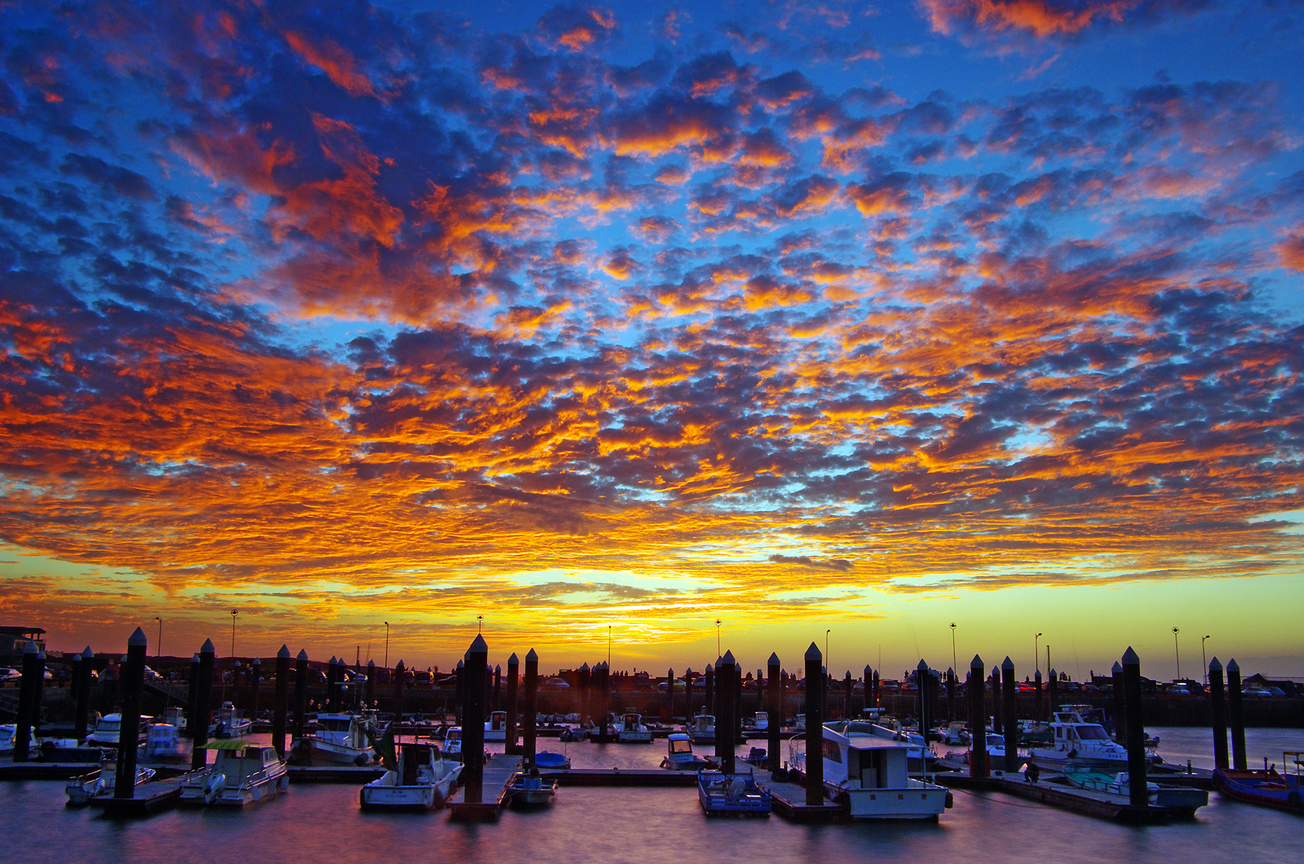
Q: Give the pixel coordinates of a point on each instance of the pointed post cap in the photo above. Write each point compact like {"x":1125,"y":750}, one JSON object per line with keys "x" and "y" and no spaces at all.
{"x":512,"y":661}
{"x":257,"y":662}
{"x":31,"y":648}
{"x":303,"y":654}
{"x":585,"y":667}
{"x":727,"y":659}
{"x":670,"y":673}
{"x":922,"y":667}
{"x":461,"y":664}
{"x":976,"y":662}
{"x":88,"y":653}
{"x":1130,"y":657}
{"x":532,"y":657}
{"x":498,"y":669}
{"x":332,"y":661}
{"x":813,"y":652}
{"x":1036,"y":676}
{"x":1214,"y":665}
{"x":479,"y":646}
{"x":194,"y":659}
{"x":950,"y":670}
{"x":1052,"y":675}
{"x":1117,"y":670}
{"x":137,"y":638}
{"x":1232,"y":667}
{"x":710,"y":667}
{"x":371,"y":664}
{"x":774,"y":660}
{"x":1008,"y":665}
{"x":77,"y":658}
{"x":400,"y":667}
{"x":207,"y":647}
{"x":284,"y":653}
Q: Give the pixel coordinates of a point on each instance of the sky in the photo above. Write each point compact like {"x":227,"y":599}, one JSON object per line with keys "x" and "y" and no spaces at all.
{"x":590,"y":326}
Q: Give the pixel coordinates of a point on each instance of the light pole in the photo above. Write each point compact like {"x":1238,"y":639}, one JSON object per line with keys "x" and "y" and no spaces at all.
{"x":717,"y":644}
{"x":479,"y":624}
{"x":386,"y":646}
{"x":1036,"y":653}
{"x":954,"y":664}
{"x":234,"y":612}
{"x":826,"y":651}
{"x":717,"y":637}
{"x":158,"y":655}
{"x":1204,"y":661}
{"x":1177,"y":653}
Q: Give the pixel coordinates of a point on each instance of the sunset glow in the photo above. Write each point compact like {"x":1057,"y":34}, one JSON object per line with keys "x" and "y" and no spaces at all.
{"x":797,"y":316}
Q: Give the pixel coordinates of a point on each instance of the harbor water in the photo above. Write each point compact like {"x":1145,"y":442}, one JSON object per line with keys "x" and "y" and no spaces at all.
{"x":322,"y":824}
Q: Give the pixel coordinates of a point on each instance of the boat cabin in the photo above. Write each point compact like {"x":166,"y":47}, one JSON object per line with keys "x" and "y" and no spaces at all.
{"x":243,"y":762}
{"x":497,"y":722}
{"x":680,"y":743}
{"x":864,"y":759}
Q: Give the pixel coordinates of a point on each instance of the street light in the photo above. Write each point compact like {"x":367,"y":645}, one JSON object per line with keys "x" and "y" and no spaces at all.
{"x":717,"y":644}
{"x":1204,"y":661}
{"x":158,"y":655}
{"x":717,"y":637}
{"x":954,"y":663}
{"x":1178,"y":654}
{"x":1036,"y":653}
{"x":387,"y":646}
{"x":234,"y":612}
{"x":826,"y":651}
{"x":479,"y":624}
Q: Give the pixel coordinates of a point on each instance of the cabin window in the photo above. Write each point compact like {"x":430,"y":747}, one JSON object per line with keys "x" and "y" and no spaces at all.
{"x":681,"y":747}
{"x":832,"y":751}
{"x":1092,"y":733}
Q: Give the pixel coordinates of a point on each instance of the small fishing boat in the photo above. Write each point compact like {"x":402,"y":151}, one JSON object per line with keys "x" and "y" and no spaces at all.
{"x":545,"y":760}
{"x":163,"y":743}
{"x":108,"y":730}
{"x":1269,"y":787}
{"x":732,"y":794}
{"x":1181,"y":801}
{"x":701,"y":729}
{"x":680,"y":755}
{"x":495,"y":728}
{"x":342,"y":739}
{"x":242,"y":774}
{"x":757,"y":756}
{"x":1077,"y":739}
{"x":531,"y":790}
{"x":629,"y":729}
{"x":230,"y":723}
{"x":453,"y":745}
{"x":97,"y":785}
{"x":418,"y":778}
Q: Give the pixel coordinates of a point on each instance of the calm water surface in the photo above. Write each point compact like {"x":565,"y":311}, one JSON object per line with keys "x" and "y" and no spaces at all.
{"x":321,"y":823}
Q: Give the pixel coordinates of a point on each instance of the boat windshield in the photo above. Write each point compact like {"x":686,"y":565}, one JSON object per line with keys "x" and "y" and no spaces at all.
{"x":859,"y":727}
{"x":678,"y":746}
{"x":334,"y":724}
{"x":1092,"y":732}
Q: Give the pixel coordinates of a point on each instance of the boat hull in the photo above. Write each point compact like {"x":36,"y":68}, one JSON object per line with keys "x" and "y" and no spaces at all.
{"x":316,"y":750}
{"x":911,"y":802}
{"x":732,"y":795}
{"x":1280,"y":791}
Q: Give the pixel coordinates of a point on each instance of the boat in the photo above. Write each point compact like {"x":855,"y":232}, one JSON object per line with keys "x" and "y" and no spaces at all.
{"x":495,"y":728}
{"x":98,"y":784}
{"x":1079,"y":740}
{"x":531,"y":790}
{"x":732,"y":794}
{"x":762,"y":721}
{"x":243,"y":773}
{"x":995,"y":743}
{"x":418,"y":778}
{"x":230,"y":723}
{"x":871,"y":774}
{"x":7,"y":733}
{"x":545,"y":760}
{"x":1180,"y":800}
{"x":342,"y":739}
{"x":108,"y":730}
{"x":680,"y":755}
{"x":453,"y":745}
{"x":1268,"y":786}
{"x":701,"y":729}
{"x":163,"y":743}
{"x":757,"y":756}
{"x":629,"y":729}
{"x":954,"y":733}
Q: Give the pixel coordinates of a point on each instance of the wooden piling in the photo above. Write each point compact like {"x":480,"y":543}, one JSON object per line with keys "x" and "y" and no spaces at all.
{"x":400,"y":672}
{"x":1239,"y":762}
{"x":998,"y":723}
{"x":26,"y":703}
{"x":82,"y":700}
{"x":1218,"y":704}
{"x":725,"y":724}
{"x":282,"y":707}
{"x":669,"y":707}
{"x":1120,"y":705}
{"x":513,"y":674}
{"x":473,"y":715}
{"x":814,"y":726}
{"x":921,"y":704}
{"x":977,"y":692}
{"x":203,"y":704}
{"x":1052,"y":693}
{"x":192,"y":696}
{"x":531,"y":707}
{"x":300,"y":727}
{"x":774,"y":729}
{"x":371,"y":683}
{"x":1010,"y":714}
{"x":709,"y":706}
{"x":132,"y":683}
{"x":1036,"y":684}
{"x":1138,"y":792}
{"x":951,"y":711}
{"x":255,"y":682}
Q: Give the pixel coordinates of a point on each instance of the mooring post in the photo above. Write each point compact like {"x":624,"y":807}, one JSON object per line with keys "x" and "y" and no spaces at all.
{"x":1120,"y":705}
{"x":1036,"y":684}
{"x":670,"y":696}
{"x":814,"y":726}
{"x":83,"y":701}
{"x":1239,"y":762}
{"x":371,"y":684}
{"x":951,"y":710}
{"x":921,"y":684}
{"x":300,"y":696}
{"x":133,"y":682}
{"x":400,"y":672}
{"x":26,"y":702}
{"x":203,"y":704}
{"x":282,"y":700}
{"x":998,"y":723}
{"x":773,"y":729}
{"x":477,"y":666}
{"x":724,"y":724}
{"x":333,"y":683}
{"x":1138,"y":791}
{"x":1218,"y":703}
{"x":708,"y":705}
{"x":255,"y":683}
{"x":459,"y":689}
{"x":877,"y":693}
{"x":192,"y":696}
{"x":531,"y":707}
{"x":513,"y":675}
{"x":1052,"y":692}
{"x":1011,"y":715}
{"x":498,"y":688}
{"x":977,"y":692}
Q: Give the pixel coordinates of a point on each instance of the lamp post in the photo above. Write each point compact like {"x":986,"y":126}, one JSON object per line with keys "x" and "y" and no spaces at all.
{"x":386,"y":646}
{"x":479,"y":624}
{"x":158,"y":655}
{"x":717,"y":637}
{"x":954,"y":663}
{"x":234,"y":612}
{"x":1204,"y":661}
{"x":717,"y":642}
{"x":826,"y":652}
{"x":1178,"y":654}
{"x":1036,"y":653}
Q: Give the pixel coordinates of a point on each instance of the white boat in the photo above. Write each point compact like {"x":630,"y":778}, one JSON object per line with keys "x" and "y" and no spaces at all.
{"x":1079,"y":740}
{"x":421,"y":779}
{"x":762,"y":722}
{"x":108,"y":730}
{"x":954,"y":733}
{"x":7,"y":733}
{"x":680,"y":755}
{"x":531,"y":790}
{"x":872,"y":773}
{"x":242,"y":774}
{"x":495,"y":728}
{"x":701,"y":729}
{"x":98,"y":784}
{"x":163,"y":743}
{"x":340,"y":738}
{"x":732,"y":794}
{"x":995,"y":744}
{"x":629,"y":729}
{"x":453,"y":744}
{"x":230,"y":723}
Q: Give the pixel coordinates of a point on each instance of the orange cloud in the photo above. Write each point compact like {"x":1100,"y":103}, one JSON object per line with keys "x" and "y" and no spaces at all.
{"x":331,"y":58}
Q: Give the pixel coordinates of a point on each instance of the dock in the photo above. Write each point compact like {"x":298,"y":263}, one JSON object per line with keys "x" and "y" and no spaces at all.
{"x":644,"y":777}
{"x":498,"y":774}
{"x":1102,"y":805}
{"x":151,"y":797}
{"x":789,"y":801}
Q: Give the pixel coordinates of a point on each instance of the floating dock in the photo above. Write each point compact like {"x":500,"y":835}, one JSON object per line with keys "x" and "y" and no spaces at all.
{"x":150,"y":797}
{"x":1103,"y":805}
{"x":498,"y":775}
